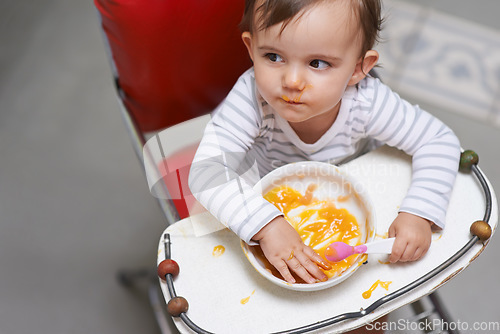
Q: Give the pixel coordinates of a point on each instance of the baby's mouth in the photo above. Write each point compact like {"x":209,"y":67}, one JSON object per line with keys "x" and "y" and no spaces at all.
{"x":295,"y":100}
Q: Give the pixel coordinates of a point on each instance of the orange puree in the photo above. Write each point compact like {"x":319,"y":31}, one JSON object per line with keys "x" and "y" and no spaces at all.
{"x":218,"y":251}
{"x":297,"y":98}
{"x":246,"y":299}
{"x":319,"y":223}
{"x":367,"y":294}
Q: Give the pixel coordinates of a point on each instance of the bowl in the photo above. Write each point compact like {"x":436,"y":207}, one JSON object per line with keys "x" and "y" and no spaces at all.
{"x":312,"y":188}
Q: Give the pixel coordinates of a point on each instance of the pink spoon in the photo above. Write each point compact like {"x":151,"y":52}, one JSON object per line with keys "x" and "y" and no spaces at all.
{"x":340,"y":250}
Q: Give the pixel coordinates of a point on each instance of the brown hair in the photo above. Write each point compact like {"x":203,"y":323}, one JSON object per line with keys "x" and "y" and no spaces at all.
{"x":367,"y":12}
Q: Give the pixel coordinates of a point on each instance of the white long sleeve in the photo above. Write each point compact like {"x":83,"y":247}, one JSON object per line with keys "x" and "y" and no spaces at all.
{"x":246,"y":139}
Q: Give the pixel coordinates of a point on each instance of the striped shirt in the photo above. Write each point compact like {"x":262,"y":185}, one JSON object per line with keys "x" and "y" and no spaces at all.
{"x":245,"y":139}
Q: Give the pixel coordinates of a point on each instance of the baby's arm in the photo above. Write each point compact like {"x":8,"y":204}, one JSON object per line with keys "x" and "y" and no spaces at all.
{"x":413,"y":237}
{"x":285,"y":250}
{"x":216,"y":182}
{"x":435,"y":152}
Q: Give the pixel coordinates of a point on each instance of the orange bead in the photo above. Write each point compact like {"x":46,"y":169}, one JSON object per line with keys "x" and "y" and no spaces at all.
{"x":177,"y":305}
{"x":481,"y":229}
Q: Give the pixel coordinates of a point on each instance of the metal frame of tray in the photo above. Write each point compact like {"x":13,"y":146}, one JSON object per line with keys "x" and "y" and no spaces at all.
{"x":353,"y":315}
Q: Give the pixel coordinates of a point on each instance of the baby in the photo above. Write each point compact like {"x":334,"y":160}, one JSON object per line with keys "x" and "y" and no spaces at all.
{"x":308,"y":97}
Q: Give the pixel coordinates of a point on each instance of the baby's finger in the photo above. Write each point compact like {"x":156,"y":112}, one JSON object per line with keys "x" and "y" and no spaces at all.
{"x":397,"y":252}
{"x":409,"y":253}
{"x":316,"y":258}
{"x":297,"y":267}
{"x":424,"y":251}
{"x":311,"y":267}
{"x":282,"y":267}
{"x":419,"y":253}
{"x":391,"y":232}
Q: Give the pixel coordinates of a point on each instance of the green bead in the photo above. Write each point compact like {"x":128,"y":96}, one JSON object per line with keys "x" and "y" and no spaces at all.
{"x":467,"y":159}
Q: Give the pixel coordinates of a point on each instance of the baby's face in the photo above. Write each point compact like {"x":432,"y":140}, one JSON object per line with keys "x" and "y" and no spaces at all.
{"x":303,"y":72}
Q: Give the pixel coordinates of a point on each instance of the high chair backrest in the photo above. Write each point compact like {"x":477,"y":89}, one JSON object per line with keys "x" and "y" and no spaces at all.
{"x":173,"y":59}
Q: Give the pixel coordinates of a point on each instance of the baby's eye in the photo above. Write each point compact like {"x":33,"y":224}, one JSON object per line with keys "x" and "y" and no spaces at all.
{"x":320,"y":64}
{"x":273,"y":57}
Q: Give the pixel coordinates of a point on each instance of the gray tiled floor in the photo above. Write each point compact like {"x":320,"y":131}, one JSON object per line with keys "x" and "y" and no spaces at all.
{"x":74,"y":203}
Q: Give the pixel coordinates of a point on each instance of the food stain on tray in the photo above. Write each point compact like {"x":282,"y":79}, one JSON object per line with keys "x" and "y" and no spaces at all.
{"x":218,"y":251}
{"x":382,"y":262}
{"x":318,"y":222}
{"x":246,"y":299}
{"x":436,"y":236}
{"x":367,"y":294}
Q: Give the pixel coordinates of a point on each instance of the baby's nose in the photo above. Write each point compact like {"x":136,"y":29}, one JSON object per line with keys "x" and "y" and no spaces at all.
{"x":293,"y":79}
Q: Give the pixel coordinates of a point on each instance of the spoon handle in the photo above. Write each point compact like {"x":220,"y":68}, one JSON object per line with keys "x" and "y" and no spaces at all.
{"x":383,"y":246}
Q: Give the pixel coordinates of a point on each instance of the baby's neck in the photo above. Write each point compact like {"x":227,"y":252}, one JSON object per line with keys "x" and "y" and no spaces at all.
{"x":307,"y":136}
{"x":311,"y":130}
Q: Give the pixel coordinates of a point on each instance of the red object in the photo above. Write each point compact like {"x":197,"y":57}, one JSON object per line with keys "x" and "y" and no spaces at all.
{"x":168,"y":267}
{"x":176,"y":60}
{"x":175,"y":171}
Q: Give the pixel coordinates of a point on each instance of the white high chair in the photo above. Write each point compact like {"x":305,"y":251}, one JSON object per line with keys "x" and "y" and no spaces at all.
{"x":173,"y":62}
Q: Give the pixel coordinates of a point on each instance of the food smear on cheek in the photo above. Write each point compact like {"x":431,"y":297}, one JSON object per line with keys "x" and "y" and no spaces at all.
{"x":297,"y":98}
{"x":318,"y":222}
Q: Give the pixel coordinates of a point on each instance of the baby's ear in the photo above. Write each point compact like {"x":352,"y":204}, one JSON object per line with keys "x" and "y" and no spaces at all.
{"x":246,"y":36}
{"x":364,"y":66}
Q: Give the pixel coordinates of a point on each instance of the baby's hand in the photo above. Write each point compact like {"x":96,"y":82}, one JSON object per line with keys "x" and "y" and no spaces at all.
{"x":285,"y":250}
{"x":413,"y":237}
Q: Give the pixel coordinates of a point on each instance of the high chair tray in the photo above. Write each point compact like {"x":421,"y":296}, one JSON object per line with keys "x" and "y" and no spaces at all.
{"x":226,"y":294}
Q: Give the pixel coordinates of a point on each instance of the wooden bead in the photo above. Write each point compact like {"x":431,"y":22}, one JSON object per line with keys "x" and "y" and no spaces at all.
{"x":168,"y":266}
{"x":481,"y":229}
{"x":177,"y":305}
{"x":467,"y":159}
